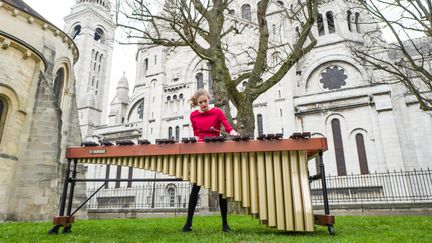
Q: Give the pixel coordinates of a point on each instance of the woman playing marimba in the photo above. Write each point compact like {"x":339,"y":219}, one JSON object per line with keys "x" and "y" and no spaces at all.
{"x":206,"y":122}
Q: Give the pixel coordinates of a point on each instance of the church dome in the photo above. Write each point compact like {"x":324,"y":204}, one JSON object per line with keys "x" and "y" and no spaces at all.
{"x":123,"y":82}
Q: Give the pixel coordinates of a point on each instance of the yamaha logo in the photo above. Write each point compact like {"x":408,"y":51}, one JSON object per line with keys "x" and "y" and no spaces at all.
{"x":97,"y":151}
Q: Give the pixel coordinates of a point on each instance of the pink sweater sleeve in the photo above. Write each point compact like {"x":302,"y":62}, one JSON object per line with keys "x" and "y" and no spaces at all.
{"x":225,"y":122}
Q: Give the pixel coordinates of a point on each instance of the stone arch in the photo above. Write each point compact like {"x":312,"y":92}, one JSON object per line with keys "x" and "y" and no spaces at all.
{"x":133,"y":104}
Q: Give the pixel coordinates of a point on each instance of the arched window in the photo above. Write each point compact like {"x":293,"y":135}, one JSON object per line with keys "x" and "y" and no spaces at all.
{"x":246,"y":12}
{"x":357,"y":22}
{"x":361,"y":152}
{"x":76,"y":31}
{"x":260,"y":124}
{"x":338,"y":146}
{"x":99,"y":35}
{"x":320,"y":24}
{"x":168,"y":98}
{"x":3,"y":112}
{"x":171,"y":194}
{"x":349,"y":20}
{"x":58,"y":84}
{"x":330,"y":22}
{"x":280,"y":3}
{"x":170,"y":132}
{"x":140,"y":110}
{"x":145,"y":65}
{"x":181,"y":96}
{"x":274,"y":30}
{"x":231,"y":12}
{"x":177,"y":133}
{"x":174,"y":97}
{"x":199,"y":81}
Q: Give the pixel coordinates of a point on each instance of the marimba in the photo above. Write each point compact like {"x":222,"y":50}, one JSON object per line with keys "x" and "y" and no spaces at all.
{"x":269,"y":178}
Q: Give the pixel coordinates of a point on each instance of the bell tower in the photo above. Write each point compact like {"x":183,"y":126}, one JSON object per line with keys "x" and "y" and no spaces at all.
{"x":92,"y":28}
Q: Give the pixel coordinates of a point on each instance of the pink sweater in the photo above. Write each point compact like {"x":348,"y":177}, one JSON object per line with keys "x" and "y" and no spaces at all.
{"x":202,"y":121}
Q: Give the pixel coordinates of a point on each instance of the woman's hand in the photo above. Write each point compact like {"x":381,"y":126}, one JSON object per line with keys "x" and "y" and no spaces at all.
{"x":233,"y":133}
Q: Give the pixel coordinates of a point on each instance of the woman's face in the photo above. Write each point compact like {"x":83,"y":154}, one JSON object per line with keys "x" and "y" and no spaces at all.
{"x":203,"y":102}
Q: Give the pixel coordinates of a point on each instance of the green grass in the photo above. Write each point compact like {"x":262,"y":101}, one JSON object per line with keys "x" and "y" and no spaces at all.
{"x":208,"y":229}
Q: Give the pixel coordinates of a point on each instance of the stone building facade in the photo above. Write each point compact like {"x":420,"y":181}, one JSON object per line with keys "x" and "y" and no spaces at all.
{"x":38,"y":113}
{"x":370,"y":125}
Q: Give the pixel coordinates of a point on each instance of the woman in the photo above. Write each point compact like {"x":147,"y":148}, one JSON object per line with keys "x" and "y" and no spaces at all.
{"x":206,"y":122}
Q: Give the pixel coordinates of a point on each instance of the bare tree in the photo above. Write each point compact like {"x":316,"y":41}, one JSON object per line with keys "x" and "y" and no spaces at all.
{"x":407,"y":59}
{"x":201,"y":25}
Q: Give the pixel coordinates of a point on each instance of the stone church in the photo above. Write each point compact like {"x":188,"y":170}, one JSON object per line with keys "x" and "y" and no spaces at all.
{"x":371,"y":126}
{"x":38,"y":113}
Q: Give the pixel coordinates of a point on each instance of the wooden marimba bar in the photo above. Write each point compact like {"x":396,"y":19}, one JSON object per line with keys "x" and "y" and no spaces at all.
{"x":269,"y":177}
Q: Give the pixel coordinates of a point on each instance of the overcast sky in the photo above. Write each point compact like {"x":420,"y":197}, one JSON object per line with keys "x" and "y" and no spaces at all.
{"x":123,"y":56}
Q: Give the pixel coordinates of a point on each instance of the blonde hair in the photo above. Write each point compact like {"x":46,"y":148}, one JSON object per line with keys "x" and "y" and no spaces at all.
{"x":193,"y":100}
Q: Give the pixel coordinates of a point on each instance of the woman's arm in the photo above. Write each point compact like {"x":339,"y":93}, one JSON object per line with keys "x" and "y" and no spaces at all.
{"x":225,"y":122}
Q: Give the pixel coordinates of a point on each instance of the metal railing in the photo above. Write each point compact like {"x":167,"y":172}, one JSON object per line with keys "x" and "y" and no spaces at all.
{"x":153,"y":195}
{"x":383,"y":187}
{"x":379,"y":187}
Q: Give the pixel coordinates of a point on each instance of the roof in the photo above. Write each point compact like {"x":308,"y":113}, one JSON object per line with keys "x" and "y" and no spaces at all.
{"x":24,"y":7}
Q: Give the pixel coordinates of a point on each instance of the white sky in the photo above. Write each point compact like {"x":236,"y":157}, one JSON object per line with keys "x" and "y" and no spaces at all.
{"x":123,"y":56}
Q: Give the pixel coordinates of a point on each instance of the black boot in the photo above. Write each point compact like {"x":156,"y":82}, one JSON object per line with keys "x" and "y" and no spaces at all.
{"x":193,"y":199}
{"x":224,"y":211}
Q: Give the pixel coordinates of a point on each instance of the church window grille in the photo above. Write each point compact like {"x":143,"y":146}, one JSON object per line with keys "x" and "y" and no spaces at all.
{"x":333,"y":78}
{"x":76,"y":31}
{"x":171,"y":194}
{"x":320,"y":24}
{"x":170,"y":132}
{"x":3,"y":112}
{"x":246,"y":12}
{"x":357,"y":22}
{"x":199,"y":81}
{"x":99,"y":35}
{"x":260,"y":124}
{"x":118,"y":176}
{"x":330,"y":22}
{"x":58,"y":84}
{"x":140,"y":110}
{"x":349,"y":20}
{"x":177,"y":133}
{"x":338,"y":146}
{"x":361,"y":152}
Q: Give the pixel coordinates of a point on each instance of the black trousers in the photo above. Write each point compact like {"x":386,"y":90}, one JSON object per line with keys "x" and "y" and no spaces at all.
{"x":193,"y":199}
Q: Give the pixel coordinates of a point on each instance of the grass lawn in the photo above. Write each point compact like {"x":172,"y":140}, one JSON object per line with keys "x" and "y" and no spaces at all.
{"x":208,"y":229}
